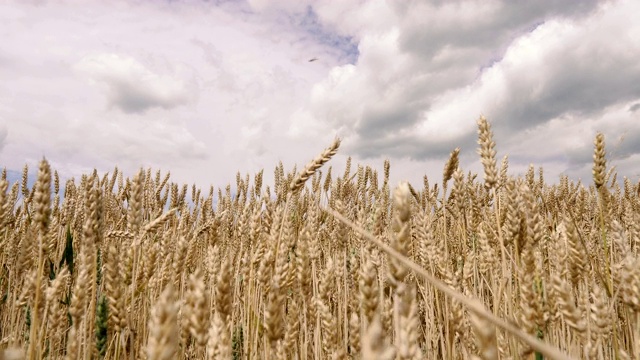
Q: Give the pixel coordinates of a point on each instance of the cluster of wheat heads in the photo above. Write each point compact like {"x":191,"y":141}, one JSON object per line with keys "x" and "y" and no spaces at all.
{"x":322,"y":267}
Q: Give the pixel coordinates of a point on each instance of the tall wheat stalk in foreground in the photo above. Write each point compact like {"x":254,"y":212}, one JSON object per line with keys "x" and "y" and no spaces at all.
{"x":319,"y":266}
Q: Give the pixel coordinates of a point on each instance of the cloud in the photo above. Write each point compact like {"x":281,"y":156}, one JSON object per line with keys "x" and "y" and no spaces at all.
{"x":533,"y":69}
{"x":487,"y":27}
{"x":564,"y":68}
{"x":3,"y":137}
{"x":320,"y":39}
{"x":202,"y":89}
{"x":208,"y":88}
{"x":131,"y":86}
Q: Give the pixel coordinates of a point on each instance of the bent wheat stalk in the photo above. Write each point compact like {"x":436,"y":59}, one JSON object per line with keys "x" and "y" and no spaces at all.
{"x":472,"y":304}
{"x":314,"y":165}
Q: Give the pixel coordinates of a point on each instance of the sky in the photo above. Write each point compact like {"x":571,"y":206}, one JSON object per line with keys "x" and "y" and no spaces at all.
{"x":205,"y":89}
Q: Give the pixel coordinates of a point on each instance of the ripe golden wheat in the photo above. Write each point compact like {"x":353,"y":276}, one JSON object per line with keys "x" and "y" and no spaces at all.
{"x":322,"y":267}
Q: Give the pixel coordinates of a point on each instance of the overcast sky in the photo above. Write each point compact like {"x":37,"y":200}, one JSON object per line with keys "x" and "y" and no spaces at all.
{"x":208,"y":88}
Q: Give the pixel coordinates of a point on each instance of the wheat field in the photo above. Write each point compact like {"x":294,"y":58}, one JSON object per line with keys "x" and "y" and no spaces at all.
{"x":322,"y":266}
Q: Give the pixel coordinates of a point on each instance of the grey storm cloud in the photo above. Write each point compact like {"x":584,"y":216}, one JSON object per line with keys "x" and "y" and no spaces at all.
{"x":493,"y":26}
{"x":385,"y":116}
{"x":577,"y":84}
{"x":617,"y":148}
{"x":521,"y":64}
{"x":411,"y":146}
